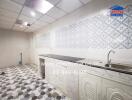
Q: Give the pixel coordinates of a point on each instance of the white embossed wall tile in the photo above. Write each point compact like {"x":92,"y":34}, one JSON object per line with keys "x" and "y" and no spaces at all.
{"x":43,"y":40}
{"x":98,"y":31}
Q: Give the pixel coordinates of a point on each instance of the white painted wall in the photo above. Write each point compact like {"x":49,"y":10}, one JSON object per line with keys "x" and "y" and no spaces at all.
{"x":123,"y":56}
{"x":11,"y":44}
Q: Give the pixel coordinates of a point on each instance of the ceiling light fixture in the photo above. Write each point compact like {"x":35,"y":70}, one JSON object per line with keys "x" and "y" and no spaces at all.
{"x":42,"y":6}
{"x":25,"y":23}
{"x":22,"y":23}
{"x":32,"y":13}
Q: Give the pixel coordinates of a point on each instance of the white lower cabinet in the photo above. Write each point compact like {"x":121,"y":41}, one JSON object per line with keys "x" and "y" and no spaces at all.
{"x":79,"y":85}
{"x":116,"y":91}
{"x":89,"y":87}
{"x":63,"y":78}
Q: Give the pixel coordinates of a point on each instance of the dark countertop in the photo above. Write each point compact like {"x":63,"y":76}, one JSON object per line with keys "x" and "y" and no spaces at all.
{"x":109,"y":68}
{"x":78,"y":61}
{"x":64,"y":58}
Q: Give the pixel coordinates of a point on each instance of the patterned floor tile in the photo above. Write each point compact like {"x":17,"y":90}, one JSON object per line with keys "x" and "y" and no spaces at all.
{"x":22,"y":83}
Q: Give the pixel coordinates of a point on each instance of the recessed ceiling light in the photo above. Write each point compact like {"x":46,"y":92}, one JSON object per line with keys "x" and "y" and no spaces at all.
{"x":25,"y":23}
{"x":22,"y":23}
{"x":32,"y":13}
{"x":42,"y":6}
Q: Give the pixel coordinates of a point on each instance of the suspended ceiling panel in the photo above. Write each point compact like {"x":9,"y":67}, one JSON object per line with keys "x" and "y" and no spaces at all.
{"x":69,"y":5}
{"x":7,"y":13}
{"x":10,"y":6}
{"x":56,"y":13}
{"x":12,"y":10}
{"x":39,"y":23}
{"x":54,"y":2}
{"x":21,"y":2}
{"x":85,"y":1}
{"x":27,"y":19}
{"x":47,"y":19}
{"x":26,"y":11}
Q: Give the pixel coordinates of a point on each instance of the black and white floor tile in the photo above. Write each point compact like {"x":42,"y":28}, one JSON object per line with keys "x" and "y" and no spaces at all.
{"x":22,"y":83}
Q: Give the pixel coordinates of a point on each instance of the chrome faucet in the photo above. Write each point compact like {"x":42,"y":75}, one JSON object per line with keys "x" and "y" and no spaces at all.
{"x":108,"y":58}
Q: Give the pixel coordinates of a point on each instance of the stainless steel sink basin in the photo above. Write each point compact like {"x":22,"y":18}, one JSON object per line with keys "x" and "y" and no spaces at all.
{"x":122,"y":67}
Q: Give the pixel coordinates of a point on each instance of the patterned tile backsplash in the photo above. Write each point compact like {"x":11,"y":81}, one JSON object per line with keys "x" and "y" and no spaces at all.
{"x":97,"y":31}
{"x":43,"y":40}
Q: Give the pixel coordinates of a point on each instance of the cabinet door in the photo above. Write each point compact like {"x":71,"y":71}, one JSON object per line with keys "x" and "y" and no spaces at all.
{"x":72,"y":84}
{"x":55,"y":74}
{"x":60,"y":77}
{"x":89,"y":87}
{"x":48,"y":71}
{"x":116,"y":91}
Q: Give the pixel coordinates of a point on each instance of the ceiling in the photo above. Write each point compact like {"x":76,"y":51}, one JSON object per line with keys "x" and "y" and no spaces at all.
{"x":11,"y":10}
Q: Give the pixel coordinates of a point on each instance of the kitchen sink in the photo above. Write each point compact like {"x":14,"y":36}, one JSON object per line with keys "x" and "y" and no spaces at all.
{"x":122,"y":67}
